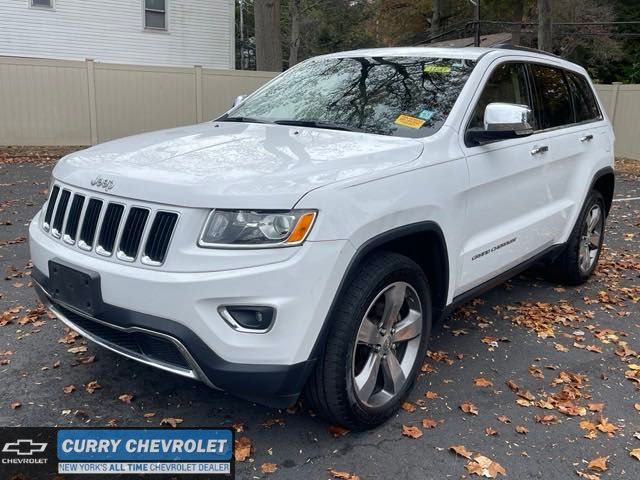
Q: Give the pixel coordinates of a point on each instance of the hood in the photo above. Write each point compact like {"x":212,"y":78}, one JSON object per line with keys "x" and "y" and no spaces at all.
{"x":232,"y":165}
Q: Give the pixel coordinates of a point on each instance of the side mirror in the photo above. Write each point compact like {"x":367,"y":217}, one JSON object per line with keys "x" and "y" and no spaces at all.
{"x":502,"y":121}
{"x":239,"y":99}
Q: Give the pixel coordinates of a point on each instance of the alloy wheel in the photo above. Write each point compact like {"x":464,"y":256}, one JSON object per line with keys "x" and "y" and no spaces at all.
{"x":591,"y":239}
{"x":387,"y":345}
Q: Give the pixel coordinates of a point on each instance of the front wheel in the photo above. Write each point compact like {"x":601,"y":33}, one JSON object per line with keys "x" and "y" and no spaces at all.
{"x":377,"y":341}
{"x":580,"y":257}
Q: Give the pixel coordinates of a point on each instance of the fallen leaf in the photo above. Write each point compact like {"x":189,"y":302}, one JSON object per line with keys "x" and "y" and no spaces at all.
{"x":408,"y":407}
{"x":410,"y":431}
{"x":482,"y":382}
{"x":635,"y":453}
{"x":470,"y":408}
{"x":174,"y":422}
{"x":149,"y":415}
{"x":599,"y":463}
{"x":546,"y":419}
{"x":429,"y":423}
{"x":595,"y":407}
{"x":523,"y":403}
{"x":485,"y":467}
{"x":15,"y":405}
{"x":606,"y":427}
{"x":561,"y":348}
{"x":337,"y":431}
{"x":521,"y":429}
{"x":242,"y":449}
{"x":80,"y":349}
{"x":637,"y":406}
{"x":431,"y":395}
{"x":69,"y":389}
{"x":461,"y":450}
{"x":490,"y":431}
{"x":92,"y":386}
{"x":588,"y":476}
{"x":125,"y":398}
{"x":343,"y":475}
{"x":504,"y":419}
{"x":269,"y":467}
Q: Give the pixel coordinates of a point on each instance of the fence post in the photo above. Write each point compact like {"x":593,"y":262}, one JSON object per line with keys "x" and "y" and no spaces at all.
{"x":614,"y":101}
{"x":198,"y":93}
{"x":93,"y":114}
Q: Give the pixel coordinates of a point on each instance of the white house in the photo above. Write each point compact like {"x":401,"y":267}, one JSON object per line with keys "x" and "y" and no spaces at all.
{"x":155,"y":32}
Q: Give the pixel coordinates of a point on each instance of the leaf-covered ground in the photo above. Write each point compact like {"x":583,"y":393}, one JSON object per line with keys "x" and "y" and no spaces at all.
{"x":531,"y":380}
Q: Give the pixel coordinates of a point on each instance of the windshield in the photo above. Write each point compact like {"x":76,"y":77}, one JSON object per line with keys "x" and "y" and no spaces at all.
{"x":401,"y":96}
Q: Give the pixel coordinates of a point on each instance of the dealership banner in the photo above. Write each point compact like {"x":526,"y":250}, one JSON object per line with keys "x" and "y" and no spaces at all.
{"x":83,"y":453}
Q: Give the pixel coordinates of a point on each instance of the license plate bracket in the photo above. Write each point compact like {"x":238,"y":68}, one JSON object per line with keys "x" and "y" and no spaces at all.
{"x":75,"y":286}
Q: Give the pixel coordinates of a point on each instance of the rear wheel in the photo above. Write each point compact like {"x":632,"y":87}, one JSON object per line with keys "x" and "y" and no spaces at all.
{"x":377,"y":342}
{"x":580,"y":258}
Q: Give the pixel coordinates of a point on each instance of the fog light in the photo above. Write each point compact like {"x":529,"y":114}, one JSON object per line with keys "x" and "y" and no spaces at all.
{"x":249,"y":319}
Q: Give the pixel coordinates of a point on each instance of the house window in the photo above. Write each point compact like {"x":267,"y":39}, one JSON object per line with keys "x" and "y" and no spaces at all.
{"x":155,"y":14}
{"x":42,"y":3}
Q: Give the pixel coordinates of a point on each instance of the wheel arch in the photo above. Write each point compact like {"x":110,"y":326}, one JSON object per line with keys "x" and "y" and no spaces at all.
{"x":604,"y":182}
{"x":423,"y":242}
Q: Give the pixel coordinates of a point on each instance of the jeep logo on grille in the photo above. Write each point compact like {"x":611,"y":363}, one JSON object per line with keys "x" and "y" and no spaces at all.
{"x":103,"y":183}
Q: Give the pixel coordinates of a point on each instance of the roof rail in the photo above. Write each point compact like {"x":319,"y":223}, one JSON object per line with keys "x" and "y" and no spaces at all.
{"x":509,"y":46}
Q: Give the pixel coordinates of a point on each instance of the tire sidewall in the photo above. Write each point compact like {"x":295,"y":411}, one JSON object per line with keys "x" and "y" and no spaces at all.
{"x":411,"y":274}
{"x":594,"y":198}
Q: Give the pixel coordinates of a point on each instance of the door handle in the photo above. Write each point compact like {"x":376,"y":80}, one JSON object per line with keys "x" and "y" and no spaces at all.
{"x":538,"y":150}
{"x":586,"y":138}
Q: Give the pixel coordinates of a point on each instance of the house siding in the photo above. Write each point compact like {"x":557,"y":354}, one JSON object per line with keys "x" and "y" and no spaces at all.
{"x":200,"y":32}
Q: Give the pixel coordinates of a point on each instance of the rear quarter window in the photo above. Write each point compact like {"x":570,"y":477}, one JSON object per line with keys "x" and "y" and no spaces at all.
{"x":584,"y":100}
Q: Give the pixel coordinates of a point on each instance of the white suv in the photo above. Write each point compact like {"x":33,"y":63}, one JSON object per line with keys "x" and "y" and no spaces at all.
{"x":308,"y":238}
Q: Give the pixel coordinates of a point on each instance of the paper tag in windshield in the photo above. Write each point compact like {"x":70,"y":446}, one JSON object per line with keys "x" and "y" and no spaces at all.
{"x":411,"y":122}
{"x":437,"y":69}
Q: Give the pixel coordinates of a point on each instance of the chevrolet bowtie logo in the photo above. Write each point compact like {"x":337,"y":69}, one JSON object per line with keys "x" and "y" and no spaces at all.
{"x":24,"y":447}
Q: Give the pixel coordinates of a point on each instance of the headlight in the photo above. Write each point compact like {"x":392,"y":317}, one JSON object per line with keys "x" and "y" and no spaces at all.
{"x":256,"y":229}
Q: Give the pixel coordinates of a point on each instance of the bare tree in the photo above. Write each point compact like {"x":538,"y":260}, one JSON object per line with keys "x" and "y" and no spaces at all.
{"x":296,"y":36}
{"x":517,"y":11}
{"x":436,"y":17}
{"x":545,"y":36}
{"x":268,"y":43}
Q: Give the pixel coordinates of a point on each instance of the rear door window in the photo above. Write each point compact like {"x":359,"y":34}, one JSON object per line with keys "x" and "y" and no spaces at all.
{"x":584,"y":100}
{"x":554,"y":97}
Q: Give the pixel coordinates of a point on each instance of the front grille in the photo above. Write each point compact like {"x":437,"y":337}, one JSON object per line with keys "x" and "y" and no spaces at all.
{"x":94,"y":224}
{"x":137,"y":343}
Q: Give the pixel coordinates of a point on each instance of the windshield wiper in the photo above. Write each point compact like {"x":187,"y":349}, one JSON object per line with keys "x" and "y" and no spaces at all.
{"x":240,"y":120}
{"x":317,"y":124}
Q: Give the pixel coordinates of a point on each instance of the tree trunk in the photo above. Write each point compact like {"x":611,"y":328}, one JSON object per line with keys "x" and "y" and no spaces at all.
{"x":436,"y":17}
{"x":294,"y":42}
{"x":516,"y":16}
{"x":268,"y":43}
{"x":545,"y":37}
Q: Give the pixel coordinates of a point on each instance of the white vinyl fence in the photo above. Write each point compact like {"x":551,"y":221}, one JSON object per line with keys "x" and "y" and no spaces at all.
{"x":59,"y":102}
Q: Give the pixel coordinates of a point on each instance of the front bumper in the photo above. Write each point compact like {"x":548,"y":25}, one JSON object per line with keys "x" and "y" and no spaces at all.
{"x":179,"y":311}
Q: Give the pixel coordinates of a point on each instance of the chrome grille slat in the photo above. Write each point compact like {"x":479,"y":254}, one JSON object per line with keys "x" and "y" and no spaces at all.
{"x":159,"y":238}
{"x":90,"y":224}
{"x":109,"y":229}
{"x":96,"y":225}
{"x":132,"y":233}
{"x":60,"y":215}
{"x":51,"y":205}
{"x":73,"y":219}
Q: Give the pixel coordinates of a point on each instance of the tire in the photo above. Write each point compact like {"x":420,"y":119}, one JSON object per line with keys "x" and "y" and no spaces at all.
{"x":571,"y":267}
{"x":337,"y":389}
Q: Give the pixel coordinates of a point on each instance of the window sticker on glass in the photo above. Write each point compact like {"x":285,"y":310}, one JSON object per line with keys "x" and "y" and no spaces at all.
{"x":426,"y":115}
{"x":436,"y":69}
{"x":408,"y":121}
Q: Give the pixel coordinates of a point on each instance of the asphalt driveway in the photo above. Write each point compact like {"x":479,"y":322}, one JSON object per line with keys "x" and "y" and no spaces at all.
{"x":539,"y":379}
